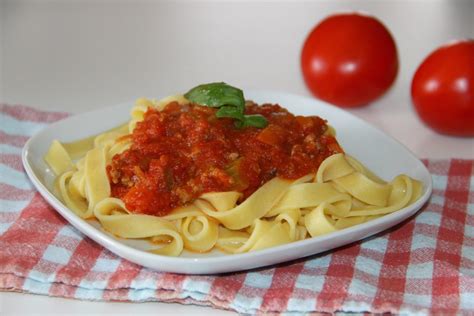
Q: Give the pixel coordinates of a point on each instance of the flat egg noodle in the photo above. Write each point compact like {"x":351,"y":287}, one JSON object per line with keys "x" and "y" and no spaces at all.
{"x":114,"y":218}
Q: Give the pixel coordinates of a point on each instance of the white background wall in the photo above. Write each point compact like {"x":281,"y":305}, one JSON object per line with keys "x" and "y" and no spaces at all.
{"x":84,"y":54}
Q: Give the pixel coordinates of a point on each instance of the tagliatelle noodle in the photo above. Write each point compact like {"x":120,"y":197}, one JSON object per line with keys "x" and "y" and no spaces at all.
{"x":114,"y":218}
{"x":342,"y":193}
{"x":58,"y":158}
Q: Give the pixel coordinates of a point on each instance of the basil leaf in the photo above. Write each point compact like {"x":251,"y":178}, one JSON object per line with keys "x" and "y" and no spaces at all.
{"x":255,"y":120}
{"x":229,"y":100}
{"x":216,"y":94}
{"x":230,"y":111}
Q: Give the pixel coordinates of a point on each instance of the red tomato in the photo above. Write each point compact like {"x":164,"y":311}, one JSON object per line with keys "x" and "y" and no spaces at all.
{"x":442,"y":89}
{"x":349,"y":60}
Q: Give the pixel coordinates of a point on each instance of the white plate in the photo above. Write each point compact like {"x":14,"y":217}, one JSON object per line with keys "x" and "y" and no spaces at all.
{"x":382,"y":154}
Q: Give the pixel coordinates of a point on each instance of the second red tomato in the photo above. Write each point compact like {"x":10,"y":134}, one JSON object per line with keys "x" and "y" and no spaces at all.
{"x":349,"y":60}
{"x":442,"y":89}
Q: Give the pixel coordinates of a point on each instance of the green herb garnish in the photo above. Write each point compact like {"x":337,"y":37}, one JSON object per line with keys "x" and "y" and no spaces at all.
{"x":229,"y":100}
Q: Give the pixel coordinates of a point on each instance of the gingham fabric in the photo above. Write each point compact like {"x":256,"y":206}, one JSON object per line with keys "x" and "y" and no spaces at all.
{"x":424,"y":265}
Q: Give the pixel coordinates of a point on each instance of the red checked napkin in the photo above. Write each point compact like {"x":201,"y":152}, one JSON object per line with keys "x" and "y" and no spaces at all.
{"x":424,"y":265}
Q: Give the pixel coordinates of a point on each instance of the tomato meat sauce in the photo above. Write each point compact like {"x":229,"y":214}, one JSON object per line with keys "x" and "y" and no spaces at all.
{"x":183,"y":151}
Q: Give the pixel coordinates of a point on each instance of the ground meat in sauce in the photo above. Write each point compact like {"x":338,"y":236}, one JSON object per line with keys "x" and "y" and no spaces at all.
{"x":184,"y":151}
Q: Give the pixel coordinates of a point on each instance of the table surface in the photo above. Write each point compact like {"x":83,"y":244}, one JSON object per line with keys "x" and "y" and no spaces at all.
{"x":78,"y":56}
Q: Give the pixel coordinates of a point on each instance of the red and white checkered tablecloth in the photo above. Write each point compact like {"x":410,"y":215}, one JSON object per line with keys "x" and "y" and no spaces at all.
{"x":424,"y":265}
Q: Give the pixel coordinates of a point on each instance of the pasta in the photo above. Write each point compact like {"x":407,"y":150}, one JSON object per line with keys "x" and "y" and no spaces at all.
{"x":340,"y":194}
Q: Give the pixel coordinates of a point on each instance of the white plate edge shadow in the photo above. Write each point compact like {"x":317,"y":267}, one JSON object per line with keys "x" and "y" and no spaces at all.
{"x":237,"y":262}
